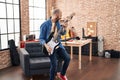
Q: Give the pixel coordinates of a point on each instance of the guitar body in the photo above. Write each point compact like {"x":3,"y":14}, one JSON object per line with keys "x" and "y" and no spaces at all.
{"x":51,"y":43}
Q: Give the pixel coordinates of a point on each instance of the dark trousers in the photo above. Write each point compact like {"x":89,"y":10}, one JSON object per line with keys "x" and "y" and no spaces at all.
{"x":59,"y":53}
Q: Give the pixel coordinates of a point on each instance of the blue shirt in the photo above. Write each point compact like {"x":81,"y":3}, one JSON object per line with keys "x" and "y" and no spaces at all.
{"x":45,"y":30}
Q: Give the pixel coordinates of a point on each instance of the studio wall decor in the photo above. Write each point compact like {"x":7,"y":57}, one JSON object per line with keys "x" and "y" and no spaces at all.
{"x":91,"y":29}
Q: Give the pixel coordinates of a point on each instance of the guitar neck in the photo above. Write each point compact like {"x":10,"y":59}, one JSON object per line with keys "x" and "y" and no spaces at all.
{"x":56,"y":36}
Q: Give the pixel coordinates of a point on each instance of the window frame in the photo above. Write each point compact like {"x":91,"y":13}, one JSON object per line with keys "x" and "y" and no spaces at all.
{"x":33,"y":20}
{"x":14,"y":19}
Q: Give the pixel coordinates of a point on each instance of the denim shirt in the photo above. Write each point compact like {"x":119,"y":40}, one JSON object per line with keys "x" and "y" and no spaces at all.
{"x":45,"y":30}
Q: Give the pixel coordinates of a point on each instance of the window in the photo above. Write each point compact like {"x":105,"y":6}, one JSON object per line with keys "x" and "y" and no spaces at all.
{"x":9,"y":22}
{"x":37,"y":15}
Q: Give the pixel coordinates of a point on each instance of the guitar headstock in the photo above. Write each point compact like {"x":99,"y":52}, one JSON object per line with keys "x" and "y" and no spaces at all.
{"x":70,"y":16}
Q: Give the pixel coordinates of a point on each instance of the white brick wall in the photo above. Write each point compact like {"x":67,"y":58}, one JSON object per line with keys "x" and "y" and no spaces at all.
{"x":105,"y":12}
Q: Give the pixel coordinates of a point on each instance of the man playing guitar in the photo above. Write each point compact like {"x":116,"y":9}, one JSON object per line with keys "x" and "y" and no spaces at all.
{"x":52,"y":27}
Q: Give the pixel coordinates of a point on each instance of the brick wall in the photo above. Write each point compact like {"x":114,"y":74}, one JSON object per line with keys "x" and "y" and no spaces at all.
{"x":24,"y":17}
{"x":5,"y":60}
{"x":105,"y":12}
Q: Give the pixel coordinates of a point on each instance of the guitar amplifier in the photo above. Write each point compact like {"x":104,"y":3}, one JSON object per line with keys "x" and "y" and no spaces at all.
{"x":30,"y":37}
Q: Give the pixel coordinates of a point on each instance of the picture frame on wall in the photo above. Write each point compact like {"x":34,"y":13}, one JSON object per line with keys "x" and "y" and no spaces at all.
{"x":92,"y":29}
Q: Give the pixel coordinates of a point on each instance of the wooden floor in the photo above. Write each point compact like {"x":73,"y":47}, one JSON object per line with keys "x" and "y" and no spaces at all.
{"x":98,"y":69}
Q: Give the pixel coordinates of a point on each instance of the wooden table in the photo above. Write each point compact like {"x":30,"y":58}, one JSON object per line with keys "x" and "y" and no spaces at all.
{"x":79,"y":43}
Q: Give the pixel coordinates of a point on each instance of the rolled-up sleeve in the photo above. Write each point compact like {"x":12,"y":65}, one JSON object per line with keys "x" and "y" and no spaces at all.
{"x":42,"y":34}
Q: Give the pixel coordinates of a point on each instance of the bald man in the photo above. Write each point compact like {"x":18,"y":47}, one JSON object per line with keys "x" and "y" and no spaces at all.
{"x":49,"y":26}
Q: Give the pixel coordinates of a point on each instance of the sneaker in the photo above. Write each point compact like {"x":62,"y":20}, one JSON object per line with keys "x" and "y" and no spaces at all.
{"x":63,"y":77}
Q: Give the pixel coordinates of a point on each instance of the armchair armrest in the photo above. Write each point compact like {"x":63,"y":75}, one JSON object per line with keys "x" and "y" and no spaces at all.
{"x":24,"y":60}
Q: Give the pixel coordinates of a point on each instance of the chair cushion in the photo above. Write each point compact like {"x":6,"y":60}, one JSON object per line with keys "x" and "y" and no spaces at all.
{"x":36,"y":54}
{"x":40,"y":62}
{"x":35,"y":49}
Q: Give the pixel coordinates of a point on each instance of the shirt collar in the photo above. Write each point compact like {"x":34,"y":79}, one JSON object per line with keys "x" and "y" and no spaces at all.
{"x":49,"y":20}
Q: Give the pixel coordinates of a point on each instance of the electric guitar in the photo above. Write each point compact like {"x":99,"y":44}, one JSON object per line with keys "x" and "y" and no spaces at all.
{"x":52,"y":40}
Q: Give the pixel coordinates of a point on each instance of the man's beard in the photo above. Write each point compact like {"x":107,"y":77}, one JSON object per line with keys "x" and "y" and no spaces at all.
{"x":58,"y":19}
